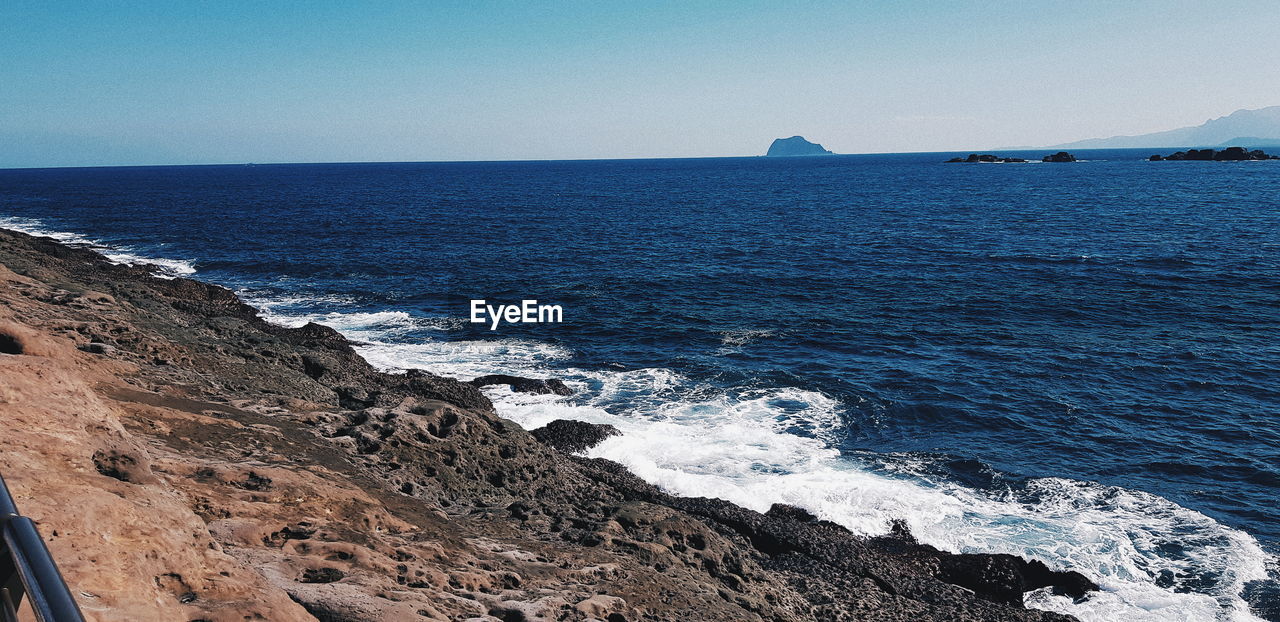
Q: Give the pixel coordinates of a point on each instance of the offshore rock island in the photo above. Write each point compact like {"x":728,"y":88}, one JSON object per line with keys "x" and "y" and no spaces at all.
{"x":974,"y":158}
{"x":795,"y":146}
{"x":187,"y":460}
{"x":1230,"y":154}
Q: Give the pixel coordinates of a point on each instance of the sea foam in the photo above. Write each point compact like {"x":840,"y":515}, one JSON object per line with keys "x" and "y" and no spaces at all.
{"x":165,"y":268}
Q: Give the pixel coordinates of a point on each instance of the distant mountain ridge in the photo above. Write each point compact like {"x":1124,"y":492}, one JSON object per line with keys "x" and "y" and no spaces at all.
{"x":1247,"y":128}
{"x":1253,"y":142}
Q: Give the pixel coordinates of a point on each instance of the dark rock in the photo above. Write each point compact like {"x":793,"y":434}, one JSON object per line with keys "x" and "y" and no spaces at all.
{"x":574,"y":436}
{"x":1005,"y":578}
{"x":430,"y":386}
{"x":899,"y":529}
{"x":781,"y":510}
{"x":321,"y":575}
{"x":524,"y":385}
{"x":795,"y":146}
{"x":314,"y":335}
{"x":1061,"y":156}
{"x":254,"y":481}
{"x":1230,"y":154}
{"x":986,"y":157}
{"x":508,"y":614}
{"x":10,"y":344}
{"x":355,"y":397}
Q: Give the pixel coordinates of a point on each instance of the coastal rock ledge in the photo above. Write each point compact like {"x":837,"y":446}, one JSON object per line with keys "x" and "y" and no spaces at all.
{"x":187,"y":460}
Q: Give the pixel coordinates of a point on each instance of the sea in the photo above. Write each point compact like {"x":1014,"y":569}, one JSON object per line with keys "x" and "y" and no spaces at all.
{"x":1075,"y":362}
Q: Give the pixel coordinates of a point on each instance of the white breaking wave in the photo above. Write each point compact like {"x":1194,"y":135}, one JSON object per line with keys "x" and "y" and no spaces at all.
{"x":460,"y":359}
{"x":738,"y":451}
{"x":757,"y":447}
{"x":371,"y":324}
{"x":166,"y":268}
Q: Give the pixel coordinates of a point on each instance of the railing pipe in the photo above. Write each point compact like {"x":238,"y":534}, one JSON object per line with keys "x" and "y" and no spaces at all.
{"x":27,"y":568}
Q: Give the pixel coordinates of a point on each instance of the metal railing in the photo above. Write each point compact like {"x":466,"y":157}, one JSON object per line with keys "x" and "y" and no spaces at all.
{"x":26,"y":568}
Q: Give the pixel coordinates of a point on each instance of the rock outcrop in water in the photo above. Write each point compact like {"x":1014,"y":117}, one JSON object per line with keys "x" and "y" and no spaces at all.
{"x":1229,"y":154}
{"x":975,"y":158}
{"x":573,"y":436}
{"x":524,"y":385}
{"x":186,"y":460}
{"x":795,"y":146}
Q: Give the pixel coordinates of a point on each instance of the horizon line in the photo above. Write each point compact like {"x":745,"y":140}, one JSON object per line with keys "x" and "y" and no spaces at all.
{"x":532,"y":160}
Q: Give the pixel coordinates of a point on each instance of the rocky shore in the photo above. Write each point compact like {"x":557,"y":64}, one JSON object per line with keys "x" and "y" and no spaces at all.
{"x":186,"y":460}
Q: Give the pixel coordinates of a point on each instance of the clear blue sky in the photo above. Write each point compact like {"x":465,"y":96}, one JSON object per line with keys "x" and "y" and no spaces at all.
{"x":191,"y":82}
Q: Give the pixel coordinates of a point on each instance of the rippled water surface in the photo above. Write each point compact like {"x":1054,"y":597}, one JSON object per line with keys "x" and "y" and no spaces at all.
{"x":1071,"y":361}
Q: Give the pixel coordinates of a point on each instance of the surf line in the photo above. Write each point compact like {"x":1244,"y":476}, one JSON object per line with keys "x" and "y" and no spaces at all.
{"x":527,"y":312}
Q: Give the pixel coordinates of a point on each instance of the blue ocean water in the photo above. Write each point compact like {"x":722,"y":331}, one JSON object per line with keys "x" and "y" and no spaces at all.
{"x":1076,"y":362}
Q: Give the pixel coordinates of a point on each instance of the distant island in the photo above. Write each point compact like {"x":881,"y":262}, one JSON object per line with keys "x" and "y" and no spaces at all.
{"x":796,"y":146}
{"x":1256,"y":128}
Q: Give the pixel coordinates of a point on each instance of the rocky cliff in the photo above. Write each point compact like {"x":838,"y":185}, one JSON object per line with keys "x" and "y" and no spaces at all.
{"x":186,"y":460}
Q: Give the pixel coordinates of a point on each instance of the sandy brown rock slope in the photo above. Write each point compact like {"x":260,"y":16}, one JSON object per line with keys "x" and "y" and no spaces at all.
{"x":185,"y":460}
